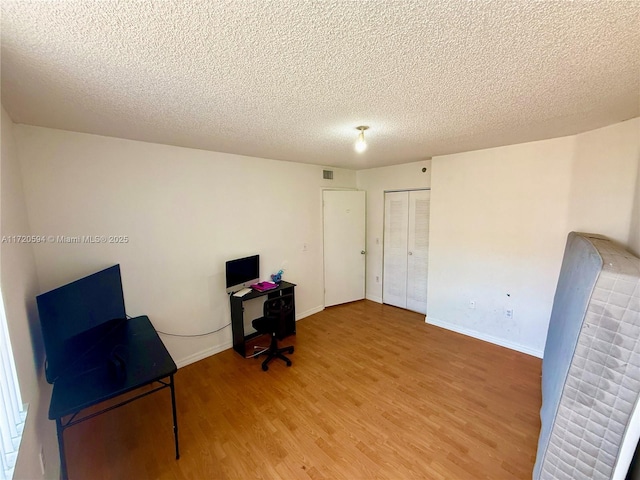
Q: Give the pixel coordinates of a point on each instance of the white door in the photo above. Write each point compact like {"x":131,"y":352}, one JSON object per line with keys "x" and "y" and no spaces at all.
{"x":418,"y":250}
{"x":406,"y":249}
{"x":394,"y":280}
{"x":344,"y":246}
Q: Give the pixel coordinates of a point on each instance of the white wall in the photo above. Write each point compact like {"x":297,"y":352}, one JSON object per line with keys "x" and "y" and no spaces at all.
{"x":634,"y":228}
{"x":19,"y":286}
{"x":603,"y":180}
{"x":185,"y":213}
{"x":375,"y":181}
{"x":497,"y":237}
{"x":499,"y":221}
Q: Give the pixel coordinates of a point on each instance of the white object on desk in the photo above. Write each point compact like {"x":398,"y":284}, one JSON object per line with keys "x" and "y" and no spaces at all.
{"x":242,"y":293}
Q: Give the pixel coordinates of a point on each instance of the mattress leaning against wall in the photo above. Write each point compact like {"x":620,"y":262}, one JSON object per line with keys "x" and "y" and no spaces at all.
{"x":591,"y":366}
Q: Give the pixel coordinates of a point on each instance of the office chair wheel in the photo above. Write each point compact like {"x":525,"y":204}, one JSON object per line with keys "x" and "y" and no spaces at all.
{"x":288,"y":363}
{"x":290,"y":349}
{"x":265,"y":367}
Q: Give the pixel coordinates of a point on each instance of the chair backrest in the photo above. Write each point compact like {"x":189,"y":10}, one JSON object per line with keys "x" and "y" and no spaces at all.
{"x":278,"y":311}
{"x":278,"y":308}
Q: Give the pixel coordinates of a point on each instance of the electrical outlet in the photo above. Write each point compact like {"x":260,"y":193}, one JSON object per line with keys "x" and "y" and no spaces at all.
{"x":42,"y":464}
{"x":472,"y":304}
{"x":377,"y":279}
{"x":508,"y":313}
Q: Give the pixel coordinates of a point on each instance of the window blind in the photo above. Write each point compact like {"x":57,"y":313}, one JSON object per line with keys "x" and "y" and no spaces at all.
{"x":12,"y":411}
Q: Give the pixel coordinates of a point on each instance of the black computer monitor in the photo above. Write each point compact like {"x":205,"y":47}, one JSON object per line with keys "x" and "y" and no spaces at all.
{"x":76,"y":316}
{"x":242,"y":272}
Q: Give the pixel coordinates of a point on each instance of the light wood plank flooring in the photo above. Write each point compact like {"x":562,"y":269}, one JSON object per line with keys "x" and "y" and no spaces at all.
{"x":373,"y":392}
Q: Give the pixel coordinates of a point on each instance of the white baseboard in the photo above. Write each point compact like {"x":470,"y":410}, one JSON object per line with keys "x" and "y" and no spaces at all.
{"x":374,"y":298}
{"x":485,"y":337}
{"x":193,"y":358}
{"x":307,"y":313}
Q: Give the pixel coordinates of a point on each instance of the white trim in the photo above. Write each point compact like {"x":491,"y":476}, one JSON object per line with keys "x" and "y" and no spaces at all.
{"x":307,"y":313}
{"x":483,"y":336}
{"x":201,"y":355}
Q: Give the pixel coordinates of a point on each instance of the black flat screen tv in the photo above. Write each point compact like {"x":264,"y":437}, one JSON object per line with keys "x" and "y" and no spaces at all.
{"x":75,"y":317}
{"x":242,"y":272}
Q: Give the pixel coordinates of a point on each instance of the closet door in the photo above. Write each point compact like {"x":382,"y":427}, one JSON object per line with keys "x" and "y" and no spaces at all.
{"x":418,"y":250}
{"x":394,"y":280}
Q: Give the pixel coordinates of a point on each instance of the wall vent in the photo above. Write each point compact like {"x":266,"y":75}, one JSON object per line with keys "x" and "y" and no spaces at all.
{"x":327,"y":174}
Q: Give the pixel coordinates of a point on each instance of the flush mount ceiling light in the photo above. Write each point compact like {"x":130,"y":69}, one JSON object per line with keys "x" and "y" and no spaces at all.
{"x":361,"y":145}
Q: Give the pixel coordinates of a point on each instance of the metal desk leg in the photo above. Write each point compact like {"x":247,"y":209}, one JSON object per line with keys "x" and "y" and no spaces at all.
{"x":175,"y":417}
{"x":63,"y":458}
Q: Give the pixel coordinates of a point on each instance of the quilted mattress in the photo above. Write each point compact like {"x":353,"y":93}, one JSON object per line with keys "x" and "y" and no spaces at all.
{"x":591,"y":366}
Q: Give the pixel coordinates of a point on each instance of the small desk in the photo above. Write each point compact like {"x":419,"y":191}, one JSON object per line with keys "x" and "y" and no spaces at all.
{"x":237,"y":315}
{"x":147,"y":362}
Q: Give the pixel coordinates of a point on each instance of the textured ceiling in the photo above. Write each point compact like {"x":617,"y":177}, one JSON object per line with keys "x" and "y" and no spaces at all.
{"x":291,"y":79}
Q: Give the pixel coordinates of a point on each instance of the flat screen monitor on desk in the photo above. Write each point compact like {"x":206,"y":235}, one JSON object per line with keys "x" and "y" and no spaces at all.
{"x":242,"y":272}
{"x":76,"y":316}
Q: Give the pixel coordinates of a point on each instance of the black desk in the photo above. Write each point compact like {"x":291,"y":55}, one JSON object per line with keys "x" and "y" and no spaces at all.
{"x":237,"y":315}
{"x":147,"y":361}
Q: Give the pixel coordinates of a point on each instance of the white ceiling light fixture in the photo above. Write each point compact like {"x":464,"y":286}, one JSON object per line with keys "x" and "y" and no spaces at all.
{"x":361,"y":145}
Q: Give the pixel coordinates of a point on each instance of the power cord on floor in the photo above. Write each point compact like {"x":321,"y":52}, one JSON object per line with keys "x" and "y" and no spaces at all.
{"x":194,"y":335}
{"x":260,"y":352}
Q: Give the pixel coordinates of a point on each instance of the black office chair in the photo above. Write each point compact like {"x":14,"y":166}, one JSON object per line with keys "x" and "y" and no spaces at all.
{"x":276,"y":311}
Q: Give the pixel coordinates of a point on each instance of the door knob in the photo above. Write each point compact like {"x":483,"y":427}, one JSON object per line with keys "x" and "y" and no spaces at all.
{"x":410,"y":253}
{"x":362,"y":252}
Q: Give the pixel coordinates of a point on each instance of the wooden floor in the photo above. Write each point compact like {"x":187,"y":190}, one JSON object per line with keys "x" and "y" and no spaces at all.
{"x":373,"y":392}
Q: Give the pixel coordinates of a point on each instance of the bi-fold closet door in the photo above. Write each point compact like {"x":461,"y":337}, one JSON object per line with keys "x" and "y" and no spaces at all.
{"x":406,"y":249}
